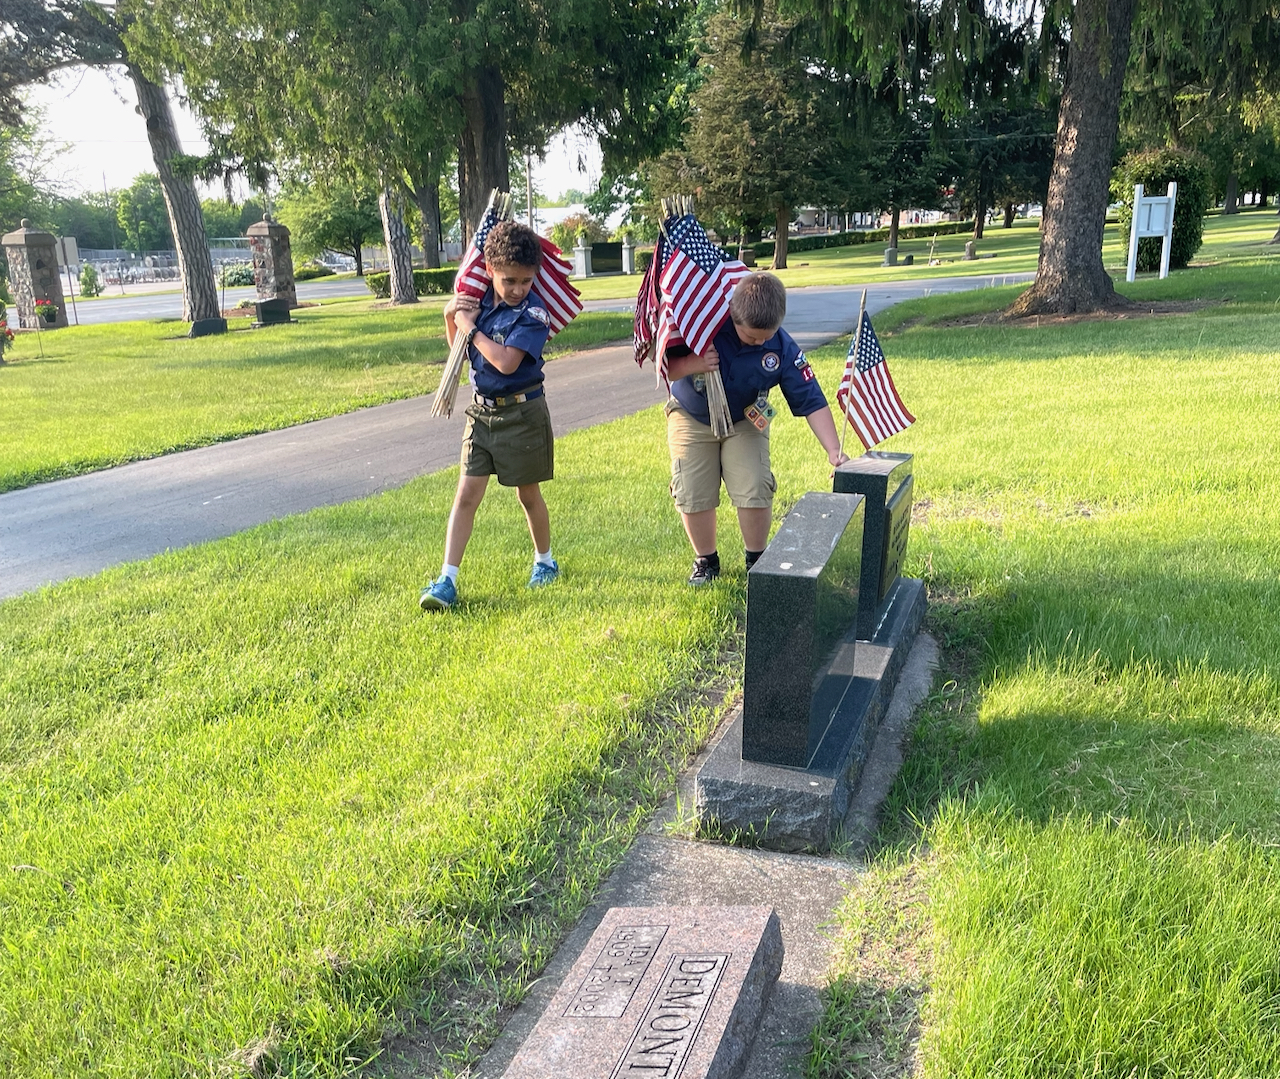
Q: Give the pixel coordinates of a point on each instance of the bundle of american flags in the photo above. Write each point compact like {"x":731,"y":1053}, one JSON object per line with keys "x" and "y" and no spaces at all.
{"x":867,"y":394}
{"x":684,"y":299}
{"x":551,"y":283}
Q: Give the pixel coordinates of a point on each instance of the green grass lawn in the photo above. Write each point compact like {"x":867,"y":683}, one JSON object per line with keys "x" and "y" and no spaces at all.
{"x":1079,"y":874}
{"x":103,"y":395}
{"x":254,"y":803}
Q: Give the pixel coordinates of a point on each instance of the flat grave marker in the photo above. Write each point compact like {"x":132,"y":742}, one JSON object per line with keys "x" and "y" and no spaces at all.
{"x":659,"y":993}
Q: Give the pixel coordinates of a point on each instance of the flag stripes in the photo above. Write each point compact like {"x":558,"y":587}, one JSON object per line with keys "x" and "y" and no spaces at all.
{"x":867,"y":394}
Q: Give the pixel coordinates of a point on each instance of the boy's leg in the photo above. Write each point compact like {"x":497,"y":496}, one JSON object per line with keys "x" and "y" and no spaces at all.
{"x":545,"y":569}
{"x":701,"y":530}
{"x":750,"y":482}
{"x":535,"y":512}
{"x":754,"y":523}
{"x":462,"y":517}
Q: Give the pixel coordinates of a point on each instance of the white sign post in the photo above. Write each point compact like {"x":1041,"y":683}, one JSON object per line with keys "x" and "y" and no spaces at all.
{"x":1152,"y":216}
{"x":68,"y":253}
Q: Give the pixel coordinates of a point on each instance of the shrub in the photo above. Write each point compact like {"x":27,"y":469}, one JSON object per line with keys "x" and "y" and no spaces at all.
{"x":240,"y":273}
{"x":89,"y":284}
{"x":1153,"y":169}
{"x":310,"y":271}
{"x":565,"y":235}
{"x":425,"y":282}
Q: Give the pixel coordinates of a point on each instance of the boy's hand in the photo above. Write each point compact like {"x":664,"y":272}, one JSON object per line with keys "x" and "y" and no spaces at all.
{"x":710,"y":360}
{"x":837,"y":457}
{"x":465,"y":318}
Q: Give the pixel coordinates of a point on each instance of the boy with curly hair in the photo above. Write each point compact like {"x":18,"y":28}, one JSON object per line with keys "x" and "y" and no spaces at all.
{"x":508,"y":429}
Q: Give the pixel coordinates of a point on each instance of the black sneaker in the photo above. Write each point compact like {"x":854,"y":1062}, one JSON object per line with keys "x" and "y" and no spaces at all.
{"x":752,"y":558}
{"x":706,"y":568}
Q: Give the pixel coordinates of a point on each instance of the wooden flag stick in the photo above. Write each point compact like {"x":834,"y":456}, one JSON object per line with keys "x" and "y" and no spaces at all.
{"x":853,"y":353}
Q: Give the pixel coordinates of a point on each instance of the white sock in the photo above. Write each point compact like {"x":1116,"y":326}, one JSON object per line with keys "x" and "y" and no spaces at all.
{"x":449,"y":571}
{"x":543,"y":558}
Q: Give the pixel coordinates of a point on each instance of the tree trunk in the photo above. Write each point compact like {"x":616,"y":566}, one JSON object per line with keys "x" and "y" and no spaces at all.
{"x":1264,"y":193}
{"x":895,"y":216}
{"x":1070,"y":276}
{"x":426,"y":193}
{"x":396,"y":237}
{"x":482,"y":147}
{"x":1008,"y":215}
{"x":358,"y":254}
{"x":781,"y":233}
{"x":979,"y":218}
{"x":199,"y":288}
{"x":1231,"y":202}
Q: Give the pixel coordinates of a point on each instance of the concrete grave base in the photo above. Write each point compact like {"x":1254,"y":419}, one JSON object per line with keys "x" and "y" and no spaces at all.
{"x":794,"y":809}
{"x":659,"y":992}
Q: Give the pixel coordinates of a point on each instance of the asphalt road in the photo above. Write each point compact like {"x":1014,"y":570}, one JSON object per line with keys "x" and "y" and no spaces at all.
{"x":79,"y":526}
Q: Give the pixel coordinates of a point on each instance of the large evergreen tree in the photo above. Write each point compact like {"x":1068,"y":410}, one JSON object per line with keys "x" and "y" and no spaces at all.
{"x":1070,"y":275}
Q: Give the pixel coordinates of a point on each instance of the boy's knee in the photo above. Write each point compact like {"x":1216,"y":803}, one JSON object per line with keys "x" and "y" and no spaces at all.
{"x":529,"y":494}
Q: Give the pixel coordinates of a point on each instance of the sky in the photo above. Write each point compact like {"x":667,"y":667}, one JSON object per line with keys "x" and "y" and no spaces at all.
{"x":92,"y":110}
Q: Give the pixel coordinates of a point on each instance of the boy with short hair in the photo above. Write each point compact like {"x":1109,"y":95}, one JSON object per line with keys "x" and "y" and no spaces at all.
{"x":753,"y":354}
{"x":508,"y":430}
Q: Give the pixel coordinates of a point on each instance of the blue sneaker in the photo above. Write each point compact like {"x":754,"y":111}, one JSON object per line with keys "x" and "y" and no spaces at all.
{"x":543,"y":574}
{"x":440,"y":595}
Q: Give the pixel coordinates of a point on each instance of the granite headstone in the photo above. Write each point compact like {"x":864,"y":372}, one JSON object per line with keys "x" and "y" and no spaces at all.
{"x":887,"y":483}
{"x":802,"y":599}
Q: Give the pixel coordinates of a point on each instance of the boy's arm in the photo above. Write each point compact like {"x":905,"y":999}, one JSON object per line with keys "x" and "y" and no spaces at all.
{"x":505,"y":358}
{"x":451,"y":309}
{"x":693,"y":365}
{"x":823,"y":426}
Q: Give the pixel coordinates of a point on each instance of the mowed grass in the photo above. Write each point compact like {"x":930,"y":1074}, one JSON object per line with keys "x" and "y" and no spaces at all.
{"x":104,"y":395}
{"x":258,"y":813}
{"x":1086,"y":828}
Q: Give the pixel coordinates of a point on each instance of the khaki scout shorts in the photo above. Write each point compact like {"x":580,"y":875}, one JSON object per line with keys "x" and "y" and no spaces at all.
{"x":513,"y":442}
{"x":699,"y":461}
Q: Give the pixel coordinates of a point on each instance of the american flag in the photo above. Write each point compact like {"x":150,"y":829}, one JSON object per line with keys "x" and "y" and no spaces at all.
{"x":695,"y":284}
{"x":551,"y":282}
{"x":867,"y":393}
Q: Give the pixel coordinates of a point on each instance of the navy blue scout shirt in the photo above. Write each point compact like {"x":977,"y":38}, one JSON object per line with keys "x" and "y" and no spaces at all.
{"x":525,"y":326}
{"x":750,"y":370}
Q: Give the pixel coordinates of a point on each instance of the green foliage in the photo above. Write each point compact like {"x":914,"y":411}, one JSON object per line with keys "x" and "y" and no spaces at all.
{"x":236,"y":274}
{"x":756,"y":135}
{"x":221,"y":218}
{"x":1154,"y":169}
{"x":565,"y":234}
{"x":89,"y":284}
{"x":311,"y":270}
{"x":425,"y":282}
{"x":143,"y":216}
{"x":90,"y":217}
{"x":322,"y":217}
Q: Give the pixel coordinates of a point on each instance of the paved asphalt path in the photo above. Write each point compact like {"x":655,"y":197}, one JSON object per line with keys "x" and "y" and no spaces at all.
{"x":108,"y":308}
{"x":79,"y":526}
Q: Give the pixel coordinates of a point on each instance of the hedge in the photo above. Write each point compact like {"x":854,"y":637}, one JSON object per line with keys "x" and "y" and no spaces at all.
{"x":425,"y":282}
{"x":310,"y":273}
{"x":1154,"y":169}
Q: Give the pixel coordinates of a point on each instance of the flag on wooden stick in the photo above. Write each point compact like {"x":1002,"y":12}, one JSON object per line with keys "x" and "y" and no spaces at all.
{"x":684,"y":299}
{"x":867,"y":393}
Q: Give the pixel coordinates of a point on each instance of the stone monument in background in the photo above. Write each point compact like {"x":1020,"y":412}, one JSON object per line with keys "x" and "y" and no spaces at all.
{"x":272,"y":271}
{"x":33,"y":275}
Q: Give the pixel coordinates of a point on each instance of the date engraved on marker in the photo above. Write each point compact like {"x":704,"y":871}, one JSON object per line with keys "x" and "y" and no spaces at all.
{"x":615,"y":975}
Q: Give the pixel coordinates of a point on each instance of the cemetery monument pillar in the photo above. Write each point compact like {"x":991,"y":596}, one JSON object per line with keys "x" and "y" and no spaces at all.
{"x":33,"y":274}
{"x":272,"y":271}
